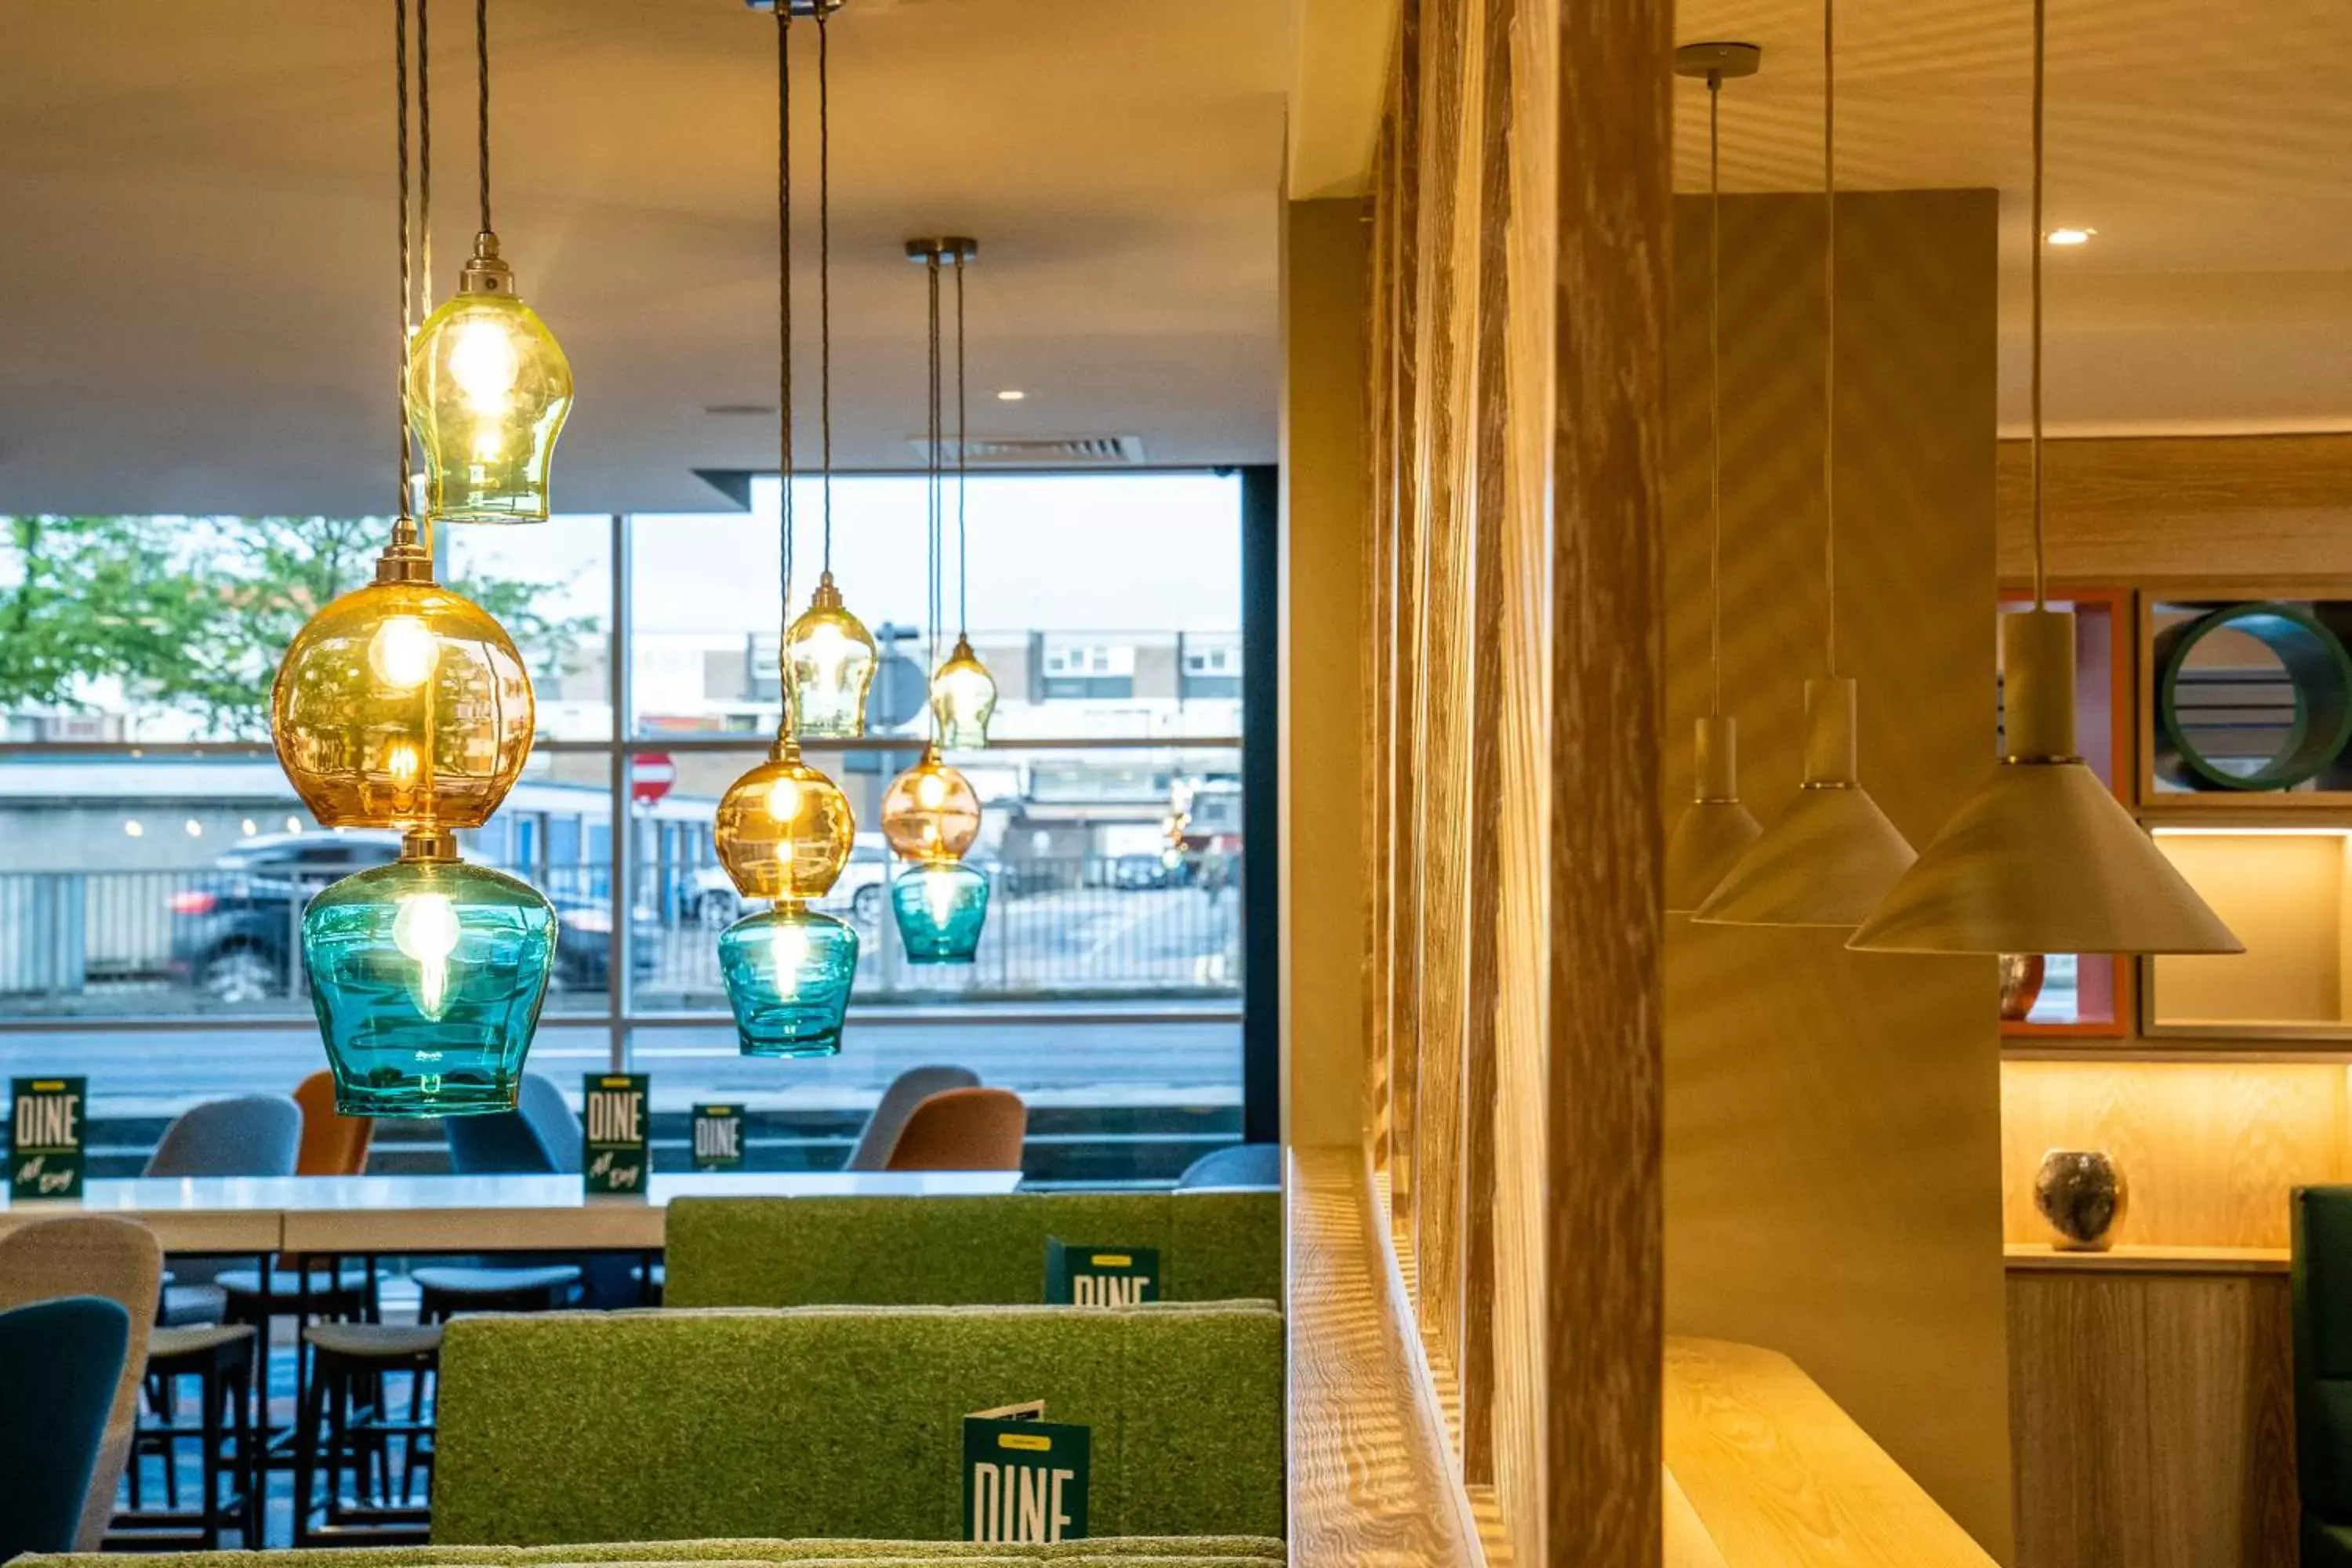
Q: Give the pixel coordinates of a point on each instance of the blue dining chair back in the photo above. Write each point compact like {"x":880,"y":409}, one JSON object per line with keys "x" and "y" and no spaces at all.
{"x":540,"y":1137}
{"x":60,"y":1364}
{"x":908,"y":1090}
{"x":253,"y":1135}
{"x":1239,"y":1166}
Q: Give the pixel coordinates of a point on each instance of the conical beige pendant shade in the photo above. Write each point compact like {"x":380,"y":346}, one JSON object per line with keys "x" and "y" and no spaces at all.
{"x":1830,"y":857}
{"x":2043,"y":859}
{"x":1715,"y":829}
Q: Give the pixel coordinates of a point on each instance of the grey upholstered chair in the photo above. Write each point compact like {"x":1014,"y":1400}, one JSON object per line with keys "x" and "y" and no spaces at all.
{"x":1240,"y":1165}
{"x":254,"y":1135}
{"x":908,"y":1090}
{"x":91,"y":1254}
{"x":540,"y":1137}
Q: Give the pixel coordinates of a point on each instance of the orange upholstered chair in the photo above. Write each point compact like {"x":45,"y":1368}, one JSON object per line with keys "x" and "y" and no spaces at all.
{"x":963,"y":1129}
{"x":332,"y":1144}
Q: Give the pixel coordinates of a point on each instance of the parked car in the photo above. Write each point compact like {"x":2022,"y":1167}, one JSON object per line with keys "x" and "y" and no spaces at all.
{"x":235,"y":930}
{"x":1138,"y":871}
{"x":862,"y":890}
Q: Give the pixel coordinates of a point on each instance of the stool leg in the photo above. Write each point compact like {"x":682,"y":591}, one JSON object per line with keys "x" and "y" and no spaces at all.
{"x":313,"y":1415}
{"x":248,"y":1479}
{"x":211,"y":1389}
{"x":171,"y":1442}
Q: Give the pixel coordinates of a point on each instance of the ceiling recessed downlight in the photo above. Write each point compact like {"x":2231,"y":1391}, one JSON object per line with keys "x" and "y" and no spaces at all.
{"x":1010,"y":394}
{"x":2071,"y":235}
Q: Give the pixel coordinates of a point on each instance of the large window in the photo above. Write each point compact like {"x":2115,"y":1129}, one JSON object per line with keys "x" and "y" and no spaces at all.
{"x":154,"y":864}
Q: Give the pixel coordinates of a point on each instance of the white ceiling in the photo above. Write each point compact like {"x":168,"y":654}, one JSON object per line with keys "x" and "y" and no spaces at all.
{"x":196,"y":283}
{"x":198,"y":279}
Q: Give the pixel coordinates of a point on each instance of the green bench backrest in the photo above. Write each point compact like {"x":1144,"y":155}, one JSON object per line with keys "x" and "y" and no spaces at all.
{"x":845,"y":1422}
{"x":1214,"y":1246}
{"x":1125,"y":1552}
{"x":2322,"y":1286}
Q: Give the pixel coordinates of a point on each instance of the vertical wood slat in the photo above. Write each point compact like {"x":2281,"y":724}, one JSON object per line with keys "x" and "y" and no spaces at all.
{"x":1379,"y":653}
{"x":1446,"y":211}
{"x":1490,"y":454}
{"x":1404,"y":922}
{"x":1603,"y":1296}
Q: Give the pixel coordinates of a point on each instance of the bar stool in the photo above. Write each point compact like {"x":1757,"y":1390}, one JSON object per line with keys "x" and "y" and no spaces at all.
{"x":308,"y":1291}
{"x":220,"y":1357}
{"x":442,"y":1292}
{"x":347,"y":1427}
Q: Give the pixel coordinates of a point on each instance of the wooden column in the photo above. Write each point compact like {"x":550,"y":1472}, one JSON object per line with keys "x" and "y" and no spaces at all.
{"x":1602,"y":1231}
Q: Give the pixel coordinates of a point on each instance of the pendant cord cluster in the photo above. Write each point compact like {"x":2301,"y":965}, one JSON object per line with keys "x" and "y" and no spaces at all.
{"x":423,"y":290}
{"x":1714,"y":386}
{"x":1829,"y":291}
{"x":2041,"y":9}
{"x":823,"y":261}
{"x":937,"y":477}
{"x":482,"y":100}
{"x":404,"y":527}
{"x":964,"y":577}
{"x":784,"y":360}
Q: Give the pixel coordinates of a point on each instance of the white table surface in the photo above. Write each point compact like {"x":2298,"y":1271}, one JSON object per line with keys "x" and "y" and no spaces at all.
{"x":449,"y":1213}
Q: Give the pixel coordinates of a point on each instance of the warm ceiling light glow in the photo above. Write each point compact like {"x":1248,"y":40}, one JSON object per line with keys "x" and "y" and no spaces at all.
{"x":1010,"y":394}
{"x":2071,"y":235}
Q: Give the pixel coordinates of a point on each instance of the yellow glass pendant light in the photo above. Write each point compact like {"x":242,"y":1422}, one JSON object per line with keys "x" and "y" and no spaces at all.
{"x":1715,"y":829}
{"x":2044,"y":858}
{"x":402,"y":704}
{"x":963,"y":692}
{"x":829,"y":656}
{"x":1830,"y":857}
{"x":785,"y":830}
{"x":488,"y":387}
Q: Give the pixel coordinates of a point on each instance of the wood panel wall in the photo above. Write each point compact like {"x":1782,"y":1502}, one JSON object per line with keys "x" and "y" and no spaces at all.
{"x":1514,"y":398}
{"x":1832,"y":1119}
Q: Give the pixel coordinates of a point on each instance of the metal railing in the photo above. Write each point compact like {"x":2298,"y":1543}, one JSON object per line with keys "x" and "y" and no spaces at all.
{"x":226,"y":943}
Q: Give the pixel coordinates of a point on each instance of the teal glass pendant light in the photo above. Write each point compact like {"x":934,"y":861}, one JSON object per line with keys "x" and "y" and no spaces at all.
{"x":427,"y":975}
{"x":931,"y":814}
{"x":785,"y":830}
{"x":788,"y":970}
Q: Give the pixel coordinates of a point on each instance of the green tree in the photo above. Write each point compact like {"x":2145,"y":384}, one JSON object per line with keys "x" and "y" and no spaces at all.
{"x":194,"y":614}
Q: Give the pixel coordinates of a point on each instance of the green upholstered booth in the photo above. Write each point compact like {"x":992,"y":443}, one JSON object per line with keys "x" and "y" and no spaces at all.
{"x":1129,"y":1552}
{"x":846,"y":1421}
{"x":1214,"y":1246}
{"x":2321,"y":1284}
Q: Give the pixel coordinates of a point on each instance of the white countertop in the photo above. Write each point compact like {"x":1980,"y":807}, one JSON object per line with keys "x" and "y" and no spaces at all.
{"x":449,"y":1213}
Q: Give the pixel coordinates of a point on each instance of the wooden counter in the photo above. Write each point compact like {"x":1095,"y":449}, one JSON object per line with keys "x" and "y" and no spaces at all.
{"x":2151,"y":1407}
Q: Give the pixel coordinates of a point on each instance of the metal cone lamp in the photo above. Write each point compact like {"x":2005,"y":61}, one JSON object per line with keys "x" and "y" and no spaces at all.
{"x":1715,"y":829}
{"x":2044,"y":858}
{"x":405,"y":705}
{"x":1831,"y":855}
{"x":488,"y":387}
{"x":785,"y":830}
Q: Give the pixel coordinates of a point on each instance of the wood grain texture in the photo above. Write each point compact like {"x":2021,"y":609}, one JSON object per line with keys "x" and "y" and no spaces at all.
{"x":1488,"y":517}
{"x":1378,"y":649}
{"x":1832,"y":1118}
{"x":1777,"y":1474}
{"x":2153,"y":1419}
{"x":2210,"y":1151}
{"x":1371,"y":1481}
{"x":1612,"y":234}
{"x":2168,"y":509}
{"x":1400,"y":206}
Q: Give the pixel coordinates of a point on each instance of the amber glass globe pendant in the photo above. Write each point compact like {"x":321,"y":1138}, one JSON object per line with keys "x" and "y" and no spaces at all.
{"x":931,"y":817}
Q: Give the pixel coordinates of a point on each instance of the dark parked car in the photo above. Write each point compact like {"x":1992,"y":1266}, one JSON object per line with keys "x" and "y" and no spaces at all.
{"x":233,"y":930}
{"x":1138,"y":871}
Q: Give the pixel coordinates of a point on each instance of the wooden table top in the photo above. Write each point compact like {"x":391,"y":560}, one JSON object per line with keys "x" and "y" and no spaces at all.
{"x":449,"y":1213}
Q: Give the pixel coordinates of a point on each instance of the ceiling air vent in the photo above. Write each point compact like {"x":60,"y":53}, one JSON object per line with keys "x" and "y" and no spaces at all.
{"x":1045,"y":451}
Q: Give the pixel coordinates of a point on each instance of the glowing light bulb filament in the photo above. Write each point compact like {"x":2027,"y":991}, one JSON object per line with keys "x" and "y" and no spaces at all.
{"x":790,"y":944}
{"x":938,"y":894}
{"x":403,"y":653}
{"x":484,"y":364}
{"x":424,"y":929}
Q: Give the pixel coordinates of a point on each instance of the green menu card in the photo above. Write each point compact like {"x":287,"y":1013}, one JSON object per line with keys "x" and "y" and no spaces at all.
{"x":45,"y":1136}
{"x":1100,"y":1276}
{"x":718,"y":1137}
{"x":1024,"y":1478}
{"x":614,"y":1151}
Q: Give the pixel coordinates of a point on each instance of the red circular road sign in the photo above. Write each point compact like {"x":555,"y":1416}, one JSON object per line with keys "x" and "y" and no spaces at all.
{"x":650,"y":776}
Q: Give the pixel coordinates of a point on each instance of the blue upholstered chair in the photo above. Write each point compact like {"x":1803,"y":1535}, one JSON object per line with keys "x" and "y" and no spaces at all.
{"x":908,"y":1090}
{"x":1241,"y":1165}
{"x":254,"y":1135}
{"x":60,"y":1362}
